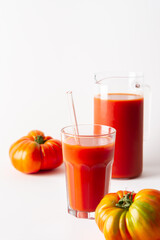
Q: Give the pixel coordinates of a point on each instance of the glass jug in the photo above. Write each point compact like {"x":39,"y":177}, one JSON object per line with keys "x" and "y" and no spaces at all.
{"x":122,"y":101}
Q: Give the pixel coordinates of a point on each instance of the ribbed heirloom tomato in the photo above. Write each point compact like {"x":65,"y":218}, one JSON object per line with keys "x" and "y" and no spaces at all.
{"x":36,"y":152}
{"x":128,"y":216}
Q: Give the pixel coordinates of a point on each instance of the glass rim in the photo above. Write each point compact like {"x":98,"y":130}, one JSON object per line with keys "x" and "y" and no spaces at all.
{"x":89,"y":135}
{"x":116,"y":75}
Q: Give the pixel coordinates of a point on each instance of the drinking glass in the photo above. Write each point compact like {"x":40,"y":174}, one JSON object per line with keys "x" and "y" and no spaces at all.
{"x":88,"y":159}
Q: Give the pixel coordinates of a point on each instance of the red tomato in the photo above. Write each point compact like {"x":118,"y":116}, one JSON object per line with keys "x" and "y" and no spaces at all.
{"x":36,"y":152}
{"x":129,"y":216}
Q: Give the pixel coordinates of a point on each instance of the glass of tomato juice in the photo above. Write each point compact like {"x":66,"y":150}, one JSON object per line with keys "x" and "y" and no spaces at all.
{"x":88,"y":159}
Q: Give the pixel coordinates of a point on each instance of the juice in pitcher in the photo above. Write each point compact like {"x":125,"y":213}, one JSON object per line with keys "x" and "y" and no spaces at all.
{"x":124,"y":112}
{"x":119,"y":103}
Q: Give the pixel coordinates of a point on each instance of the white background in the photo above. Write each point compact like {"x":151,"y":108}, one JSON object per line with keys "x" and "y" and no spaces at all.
{"x":49,"y":47}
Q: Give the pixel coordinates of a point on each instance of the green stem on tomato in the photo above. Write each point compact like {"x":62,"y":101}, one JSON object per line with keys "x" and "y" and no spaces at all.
{"x":126,"y":201}
{"x":39,"y":139}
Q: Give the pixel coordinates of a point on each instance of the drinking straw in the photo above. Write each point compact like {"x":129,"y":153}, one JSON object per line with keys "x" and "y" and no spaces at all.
{"x":73,"y":115}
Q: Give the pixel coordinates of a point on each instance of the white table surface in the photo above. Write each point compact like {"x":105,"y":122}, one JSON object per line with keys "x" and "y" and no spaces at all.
{"x":34,"y":206}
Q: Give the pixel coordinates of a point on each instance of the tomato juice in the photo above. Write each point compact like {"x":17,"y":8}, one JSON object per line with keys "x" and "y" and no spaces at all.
{"x":88,"y":168}
{"x":124,"y":112}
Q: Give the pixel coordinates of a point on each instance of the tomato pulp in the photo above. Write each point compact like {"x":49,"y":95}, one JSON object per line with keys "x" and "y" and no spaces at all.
{"x":88,"y":169}
{"x":124,"y":112}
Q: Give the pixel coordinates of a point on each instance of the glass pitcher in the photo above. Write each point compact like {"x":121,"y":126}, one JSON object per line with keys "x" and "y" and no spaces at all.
{"x":122,"y":101}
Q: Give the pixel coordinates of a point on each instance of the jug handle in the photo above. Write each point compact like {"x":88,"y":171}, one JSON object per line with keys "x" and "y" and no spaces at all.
{"x":147,"y":111}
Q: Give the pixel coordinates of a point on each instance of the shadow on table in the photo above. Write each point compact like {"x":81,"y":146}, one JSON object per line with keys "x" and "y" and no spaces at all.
{"x":57,"y":171}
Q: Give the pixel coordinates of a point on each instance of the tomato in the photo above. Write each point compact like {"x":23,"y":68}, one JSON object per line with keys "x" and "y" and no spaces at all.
{"x":128,"y":216}
{"x":36,"y":152}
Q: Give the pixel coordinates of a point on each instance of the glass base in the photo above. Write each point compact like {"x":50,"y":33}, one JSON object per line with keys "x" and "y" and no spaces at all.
{"x":81,"y":214}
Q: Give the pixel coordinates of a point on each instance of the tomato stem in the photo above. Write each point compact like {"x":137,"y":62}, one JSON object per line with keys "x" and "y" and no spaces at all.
{"x":39,"y":139}
{"x":126,"y":201}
